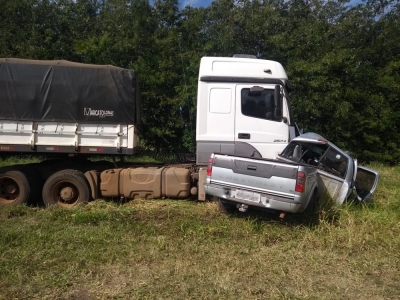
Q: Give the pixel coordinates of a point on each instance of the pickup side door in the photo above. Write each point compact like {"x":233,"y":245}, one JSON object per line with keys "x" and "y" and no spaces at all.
{"x":333,"y":169}
{"x":333,"y":173}
{"x":366,"y":183}
{"x":333,"y":185}
{"x":261,"y":122}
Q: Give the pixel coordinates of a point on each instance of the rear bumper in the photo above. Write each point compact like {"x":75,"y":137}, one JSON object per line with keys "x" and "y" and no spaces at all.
{"x":269,"y":202}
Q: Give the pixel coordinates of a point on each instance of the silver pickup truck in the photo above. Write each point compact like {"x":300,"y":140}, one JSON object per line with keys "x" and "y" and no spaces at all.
{"x":308,"y":168}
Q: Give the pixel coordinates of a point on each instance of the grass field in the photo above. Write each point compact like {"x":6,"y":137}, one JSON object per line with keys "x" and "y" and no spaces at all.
{"x":164,"y":249}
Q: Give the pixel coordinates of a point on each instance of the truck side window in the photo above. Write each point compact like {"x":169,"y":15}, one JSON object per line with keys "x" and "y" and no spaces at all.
{"x":301,"y":152}
{"x":335,"y":161}
{"x":292,"y":151}
{"x":306,"y":153}
{"x":314,"y":153}
{"x":259,"y":105}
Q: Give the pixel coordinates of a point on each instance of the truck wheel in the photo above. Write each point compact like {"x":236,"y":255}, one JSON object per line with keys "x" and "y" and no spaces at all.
{"x":66,"y":188}
{"x":225,"y":207}
{"x":14,"y":188}
{"x":311,"y":211}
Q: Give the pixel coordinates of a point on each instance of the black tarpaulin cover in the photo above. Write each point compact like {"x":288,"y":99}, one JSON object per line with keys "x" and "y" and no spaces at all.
{"x":56,"y":91}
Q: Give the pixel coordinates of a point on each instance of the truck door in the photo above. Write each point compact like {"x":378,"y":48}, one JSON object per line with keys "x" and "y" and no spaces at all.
{"x":261,"y":128}
{"x":339,"y":189}
{"x":333,"y":168}
{"x":333,"y":185}
{"x":366,"y":183}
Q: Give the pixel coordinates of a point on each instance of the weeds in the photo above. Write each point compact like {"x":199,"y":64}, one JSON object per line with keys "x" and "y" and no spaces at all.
{"x":168,"y":249}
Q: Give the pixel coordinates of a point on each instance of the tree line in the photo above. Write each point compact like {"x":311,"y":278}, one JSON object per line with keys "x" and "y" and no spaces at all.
{"x":342,"y":58}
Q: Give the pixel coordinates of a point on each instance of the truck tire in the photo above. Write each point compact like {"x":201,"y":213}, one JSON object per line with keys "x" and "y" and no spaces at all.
{"x":14,"y":188}
{"x":311,"y":211}
{"x":66,"y":188}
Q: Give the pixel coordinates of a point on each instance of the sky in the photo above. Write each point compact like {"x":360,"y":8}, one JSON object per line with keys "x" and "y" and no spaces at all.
{"x":196,"y":3}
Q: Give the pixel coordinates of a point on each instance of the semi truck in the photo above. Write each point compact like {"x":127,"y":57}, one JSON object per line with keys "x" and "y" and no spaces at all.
{"x":73,"y":111}
{"x":308,"y":169}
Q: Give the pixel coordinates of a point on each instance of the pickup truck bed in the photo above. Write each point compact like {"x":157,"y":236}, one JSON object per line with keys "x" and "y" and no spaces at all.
{"x":264,"y":183}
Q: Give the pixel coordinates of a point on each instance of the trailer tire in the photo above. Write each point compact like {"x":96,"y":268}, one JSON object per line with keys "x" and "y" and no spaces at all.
{"x":14,"y":188}
{"x":66,"y":188}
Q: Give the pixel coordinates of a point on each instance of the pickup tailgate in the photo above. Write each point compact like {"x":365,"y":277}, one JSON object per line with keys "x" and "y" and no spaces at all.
{"x":258,"y":182}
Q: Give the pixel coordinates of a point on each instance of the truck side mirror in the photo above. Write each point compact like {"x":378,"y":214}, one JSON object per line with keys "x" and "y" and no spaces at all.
{"x":278,"y":103}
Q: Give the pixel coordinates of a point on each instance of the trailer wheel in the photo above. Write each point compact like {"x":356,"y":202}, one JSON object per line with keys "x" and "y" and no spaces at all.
{"x":66,"y":188}
{"x":14,"y":188}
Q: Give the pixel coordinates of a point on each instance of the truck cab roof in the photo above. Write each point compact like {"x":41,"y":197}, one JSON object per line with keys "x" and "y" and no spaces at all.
{"x":311,"y":137}
{"x":241,"y":67}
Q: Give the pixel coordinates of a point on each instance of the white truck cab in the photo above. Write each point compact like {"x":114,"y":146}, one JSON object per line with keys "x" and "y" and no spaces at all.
{"x":242,"y":108}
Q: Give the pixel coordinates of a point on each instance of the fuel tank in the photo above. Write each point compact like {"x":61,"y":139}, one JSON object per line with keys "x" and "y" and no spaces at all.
{"x":147,"y":183}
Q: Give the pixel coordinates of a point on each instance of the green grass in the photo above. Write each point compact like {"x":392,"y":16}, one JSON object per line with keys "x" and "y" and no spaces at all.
{"x":165,"y":249}
{"x":19,"y":160}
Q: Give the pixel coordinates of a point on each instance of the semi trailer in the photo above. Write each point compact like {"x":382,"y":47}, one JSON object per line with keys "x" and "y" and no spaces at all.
{"x":73,"y":111}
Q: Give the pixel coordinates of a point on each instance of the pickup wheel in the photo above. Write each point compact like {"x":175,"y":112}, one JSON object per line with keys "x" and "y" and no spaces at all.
{"x":225,"y":207}
{"x":14,"y":188}
{"x":66,"y":188}
{"x":311,"y":211}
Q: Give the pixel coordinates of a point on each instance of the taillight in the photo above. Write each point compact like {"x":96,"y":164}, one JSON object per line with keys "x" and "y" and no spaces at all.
{"x":300,"y":182}
{"x":209,"y":166}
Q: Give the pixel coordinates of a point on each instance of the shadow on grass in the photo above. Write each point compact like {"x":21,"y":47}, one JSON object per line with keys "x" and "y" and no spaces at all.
{"x":323,"y":210}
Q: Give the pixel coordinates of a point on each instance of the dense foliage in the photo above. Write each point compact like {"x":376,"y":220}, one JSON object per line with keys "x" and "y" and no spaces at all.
{"x":344,"y":59}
